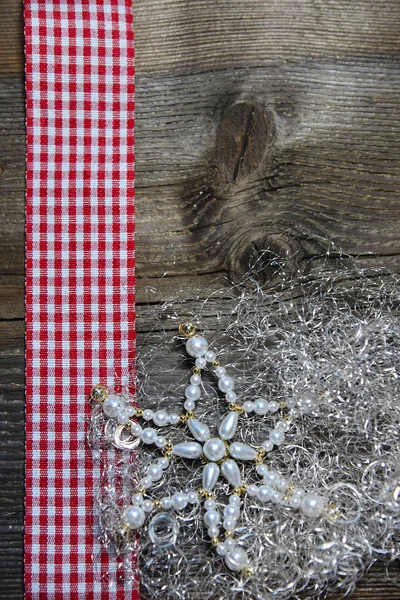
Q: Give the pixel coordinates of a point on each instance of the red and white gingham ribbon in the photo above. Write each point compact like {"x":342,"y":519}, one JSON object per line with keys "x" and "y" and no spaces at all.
{"x":79,"y":275}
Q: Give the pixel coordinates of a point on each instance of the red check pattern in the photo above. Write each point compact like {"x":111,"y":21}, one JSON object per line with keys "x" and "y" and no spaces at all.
{"x":79,"y":276}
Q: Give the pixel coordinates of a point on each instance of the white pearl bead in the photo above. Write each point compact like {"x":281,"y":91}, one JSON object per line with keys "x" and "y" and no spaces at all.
{"x":276,"y":496}
{"x":220,"y":371}
{"x":231,"y":511}
{"x":195,"y":380}
{"x":248,"y":406}
{"x":173,"y":418}
{"x":180,"y":500}
{"x":210,"y":356}
{"x":122,"y":416}
{"x":137,"y":499}
{"x":230,"y":544}
{"x":148,"y":435}
{"x":196,"y":346}
{"x":312,"y":505}
{"x":282,"y":484}
{"x":213,"y":532}
{"x":242,"y":451}
{"x":271,"y":477}
{"x":209,"y":504}
{"x":214,"y":449}
{"x":160,"y":417}
{"x":187,"y":450}
{"x":192,"y":498}
{"x":252,"y":490}
{"x":166,"y":503}
{"x":199,"y":430}
{"x":267,"y":445}
{"x":231,"y":396}
{"x":148,"y":414}
{"x":264,"y":493}
{"x":145,"y":482}
{"x":229,"y":524}
{"x":154,"y":472}
{"x":226,"y":384}
{"x":210,"y":476}
{"x":228,"y":426}
{"x":189,"y":405}
{"x":200,"y":362}
{"x":231,"y":472}
{"x":134,"y":516}
{"x":160,"y":441}
{"x":295,"y":502}
{"x":277,"y":437}
{"x":234,"y":499}
{"x":221,"y":549}
{"x":273,"y":406}
{"x":260,"y":406}
{"x":236,"y":560}
{"x":111,"y":406}
{"x":136,"y":429}
{"x":163,"y":462}
{"x":192,"y":392}
{"x":262,"y":470}
{"x":147,"y":506}
{"x":283,"y":426}
{"x":212,"y":518}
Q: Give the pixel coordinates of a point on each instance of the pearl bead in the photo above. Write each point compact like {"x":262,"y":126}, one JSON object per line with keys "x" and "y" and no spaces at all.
{"x":231,"y":396}
{"x":136,"y":429}
{"x":200,"y":362}
{"x":192,"y":498}
{"x":260,"y":406}
{"x":220,"y":371}
{"x":283,"y":426}
{"x":160,"y":441}
{"x":212,"y":518}
{"x":137,"y":499}
{"x":160,"y":417}
{"x":189,"y":405}
{"x":196,"y":346}
{"x":163,"y":462}
{"x":267,"y":445}
{"x":236,"y":560}
{"x":221,"y":549}
{"x":214,"y":449}
{"x":264,"y":493}
{"x":271,"y":477}
{"x":277,"y":437}
{"x":228,"y":426}
{"x":192,"y":392}
{"x":226,"y":384}
{"x":276,"y":496}
{"x":134,"y":516}
{"x":312,"y":506}
{"x":252,"y":490}
{"x":273,"y":406}
{"x":180,"y":500}
{"x":173,"y":418}
{"x":282,"y":484}
{"x":210,"y":476}
{"x":111,"y":406}
{"x":210,"y":356}
{"x":229,"y":524}
{"x":231,"y":472}
{"x":248,"y":406}
{"x":242,"y":451}
{"x":187,"y":450}
{"x":231,"y":511}
{"x":213,"y":532}
{"x":195,"y":380}
{"x":230,"y":544}
{"x":147,"y":506}
{"x":209,"y":504}
{"x":234,"y":499}
{"x":199,"y":430}
{"x":295,"y":502}
{"x":145,"y":482}
{"x":154,"y":472}
{"x":123,"y":415}
{"x":262,"y":470}
{"x":166,"y":503}
{"x":148,"y":435}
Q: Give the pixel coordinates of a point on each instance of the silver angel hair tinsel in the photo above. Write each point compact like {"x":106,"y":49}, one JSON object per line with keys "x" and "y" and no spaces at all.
{"x":327,"y":344}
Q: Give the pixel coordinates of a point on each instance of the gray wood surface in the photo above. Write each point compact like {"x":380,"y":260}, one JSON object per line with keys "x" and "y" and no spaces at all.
{"x":259,"y":123}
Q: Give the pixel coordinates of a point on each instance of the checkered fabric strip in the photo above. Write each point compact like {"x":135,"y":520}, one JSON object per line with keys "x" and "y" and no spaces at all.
{"x":80,"y":320}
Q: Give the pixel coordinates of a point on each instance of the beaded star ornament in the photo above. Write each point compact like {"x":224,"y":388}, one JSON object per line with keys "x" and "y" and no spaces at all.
{"x":219,"y":453}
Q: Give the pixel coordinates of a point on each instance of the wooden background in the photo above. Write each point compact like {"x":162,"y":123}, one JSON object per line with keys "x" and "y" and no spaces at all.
{"x":260,"y":123}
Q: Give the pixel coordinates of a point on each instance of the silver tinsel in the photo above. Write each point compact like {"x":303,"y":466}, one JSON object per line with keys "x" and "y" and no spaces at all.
{"x":326,"y":343}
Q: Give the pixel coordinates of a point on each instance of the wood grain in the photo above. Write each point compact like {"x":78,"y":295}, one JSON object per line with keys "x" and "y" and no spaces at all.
{"x":259,"y":124}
